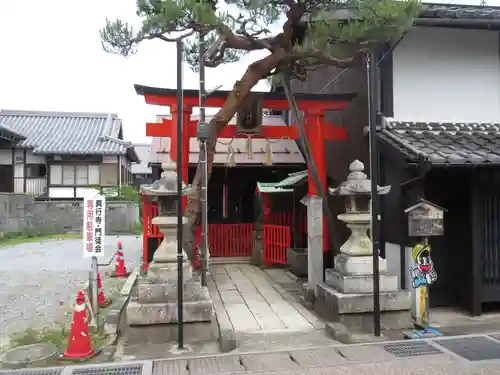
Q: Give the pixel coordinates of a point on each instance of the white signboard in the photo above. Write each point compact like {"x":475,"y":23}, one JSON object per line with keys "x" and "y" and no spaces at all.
{"x":94,"y":210}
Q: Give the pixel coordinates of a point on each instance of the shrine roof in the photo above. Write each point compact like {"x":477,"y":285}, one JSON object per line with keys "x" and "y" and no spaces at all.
{"x":444,"y":144}
{"x":285,"y":151}
{"x":147,"y":90}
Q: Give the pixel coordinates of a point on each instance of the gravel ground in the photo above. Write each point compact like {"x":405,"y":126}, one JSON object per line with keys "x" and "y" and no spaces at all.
{"x":39,"y":281}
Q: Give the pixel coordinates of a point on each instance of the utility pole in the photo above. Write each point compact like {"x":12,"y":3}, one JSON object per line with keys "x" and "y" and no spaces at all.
{"x":203,"y":137}
{"x":372,"y":78}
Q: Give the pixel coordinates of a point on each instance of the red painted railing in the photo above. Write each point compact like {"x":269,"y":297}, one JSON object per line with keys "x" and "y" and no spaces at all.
{"x":276,"y":241}
{"x":230,"y":240}
{"x":286,"y":219}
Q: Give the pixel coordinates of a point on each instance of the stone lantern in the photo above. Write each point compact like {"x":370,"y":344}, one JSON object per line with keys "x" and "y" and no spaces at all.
{"x":357,"y":191}
{"x":348,"y":287}
{"x":156,"y":300}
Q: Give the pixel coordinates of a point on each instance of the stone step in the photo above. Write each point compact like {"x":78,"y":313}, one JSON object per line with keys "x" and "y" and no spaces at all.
{"x":359,"y":283}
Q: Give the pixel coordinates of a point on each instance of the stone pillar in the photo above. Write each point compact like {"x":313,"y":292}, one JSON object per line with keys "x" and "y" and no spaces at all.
{"x":314,"y":243}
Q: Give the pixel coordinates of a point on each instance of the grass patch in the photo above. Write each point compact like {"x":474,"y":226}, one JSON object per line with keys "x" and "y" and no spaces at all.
{"x":57,"y":336}
{"x":11,"y":239}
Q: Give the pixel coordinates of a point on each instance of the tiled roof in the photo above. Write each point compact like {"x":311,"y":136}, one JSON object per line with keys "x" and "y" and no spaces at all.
{"x":143,"y":151}
{"x":68,"y":133}
{"x":444,"y":143}
{"x":457,"y":11}
{"x":284,"y":151}
{"x":293,"y":179}
{"x":6,"y":132}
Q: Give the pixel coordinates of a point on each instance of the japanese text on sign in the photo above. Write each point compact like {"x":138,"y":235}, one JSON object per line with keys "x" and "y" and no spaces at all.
{"x":94,"y":209}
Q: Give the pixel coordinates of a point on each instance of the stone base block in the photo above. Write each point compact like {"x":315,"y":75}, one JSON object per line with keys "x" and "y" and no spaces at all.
{"x":149,"y":292}
{"x":168,"y":271}
{"x":297,"y":261}
{"x":351,"y":265}
{"x":355,"y":310}
{"x":166,"y":313}
{"x":167,"y":334}
{"x":359,"y":283}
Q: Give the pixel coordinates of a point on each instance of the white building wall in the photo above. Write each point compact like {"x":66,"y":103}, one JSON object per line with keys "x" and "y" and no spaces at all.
{"x":5,"y":157}
{"x":443,"y":74}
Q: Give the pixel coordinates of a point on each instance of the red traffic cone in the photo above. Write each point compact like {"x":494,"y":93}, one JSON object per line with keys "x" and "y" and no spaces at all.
{"x":120,"y":268}
{"x":101,"y":299}
{"x":79,"y":345}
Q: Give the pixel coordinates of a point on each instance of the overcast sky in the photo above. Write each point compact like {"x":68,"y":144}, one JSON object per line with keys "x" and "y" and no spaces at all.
{"x":51,"y":59}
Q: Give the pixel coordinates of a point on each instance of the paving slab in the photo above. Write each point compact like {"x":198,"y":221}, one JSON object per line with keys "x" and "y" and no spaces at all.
{"x":366,"y":353}
{"x":231,"y":297}
{"x":241,"y":317}
{"x":318,"y":357}
{"x":472,"y":348}
{"x":268,"y":362}
{"x":215,"y":365}
{"x":281,"y":340}
{"x":177,"y":367}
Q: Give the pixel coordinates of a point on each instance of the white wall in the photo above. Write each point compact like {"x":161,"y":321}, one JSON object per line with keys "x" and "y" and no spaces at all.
{"x":5,"y":157}
{"x":110,"y":159}
{"x":445,"y":74}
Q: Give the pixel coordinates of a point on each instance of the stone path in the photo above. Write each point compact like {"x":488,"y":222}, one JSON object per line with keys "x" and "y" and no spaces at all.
{"x":253,"y":303}
{"x":38,"y":281}
{"x":263,"y":315}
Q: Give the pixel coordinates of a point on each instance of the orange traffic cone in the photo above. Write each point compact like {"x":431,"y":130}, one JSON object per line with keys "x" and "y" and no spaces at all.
{"x":101,"y":299}
{"x":120,"y":268}
{"x":79,"y":345}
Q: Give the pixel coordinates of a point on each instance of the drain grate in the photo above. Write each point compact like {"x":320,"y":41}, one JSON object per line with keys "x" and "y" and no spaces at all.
{"x":110,"y":370}
{"x":472,"y":348}
{"x":411,"y":349}
{"x":54,"y":371}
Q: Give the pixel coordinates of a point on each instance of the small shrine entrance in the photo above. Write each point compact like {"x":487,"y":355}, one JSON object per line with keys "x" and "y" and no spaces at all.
{"x":237,"y":239}
{"x":284,"y":218}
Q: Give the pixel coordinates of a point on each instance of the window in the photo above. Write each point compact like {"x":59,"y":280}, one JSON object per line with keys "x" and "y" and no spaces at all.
{"x":68,"y":175}
{"x":94,"y":175}
{"x":56,"y":174}
{"x":82,"y":174}
{"x":36,"y":170}
{"x":109,"y":175}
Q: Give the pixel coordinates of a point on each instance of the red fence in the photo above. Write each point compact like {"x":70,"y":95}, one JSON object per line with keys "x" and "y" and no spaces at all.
{"x":286,"y":219}
{"x":230,"y":240}
{"x":276,"y":241}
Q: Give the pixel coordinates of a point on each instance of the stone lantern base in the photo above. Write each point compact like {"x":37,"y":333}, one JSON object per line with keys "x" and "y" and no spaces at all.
{"x":156,"y":299}
{"x":346,"y":296}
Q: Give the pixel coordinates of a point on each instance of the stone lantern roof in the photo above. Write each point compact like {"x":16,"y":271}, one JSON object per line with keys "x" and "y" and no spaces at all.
{"x":167,"y":184}
{"x":357,"y":183}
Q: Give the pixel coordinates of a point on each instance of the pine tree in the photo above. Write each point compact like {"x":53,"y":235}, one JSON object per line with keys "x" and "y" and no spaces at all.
{"x":313,"y":32}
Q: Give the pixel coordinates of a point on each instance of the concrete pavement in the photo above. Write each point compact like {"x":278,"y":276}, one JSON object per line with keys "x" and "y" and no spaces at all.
{"x":466,"y":355}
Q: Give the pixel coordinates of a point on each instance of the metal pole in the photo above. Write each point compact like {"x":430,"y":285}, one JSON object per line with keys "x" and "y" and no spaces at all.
{"x":95,"y":291}
{"x":180,"y":257}
{"x":375,"y":198}
{"x":204,"y":169}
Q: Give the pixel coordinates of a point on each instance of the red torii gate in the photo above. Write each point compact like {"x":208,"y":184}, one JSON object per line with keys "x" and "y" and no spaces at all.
{"x":313,"y":107}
